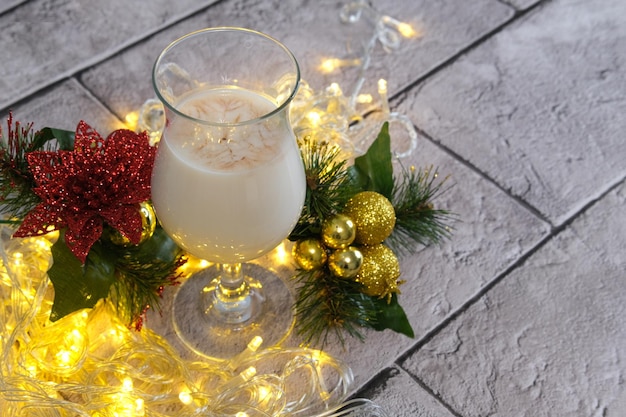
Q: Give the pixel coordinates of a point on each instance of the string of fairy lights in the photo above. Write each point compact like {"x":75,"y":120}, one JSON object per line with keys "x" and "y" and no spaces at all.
{"x":90,"y":364}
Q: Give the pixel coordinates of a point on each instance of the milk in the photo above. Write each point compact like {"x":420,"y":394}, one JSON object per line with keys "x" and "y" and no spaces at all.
{"x":228,"y":193}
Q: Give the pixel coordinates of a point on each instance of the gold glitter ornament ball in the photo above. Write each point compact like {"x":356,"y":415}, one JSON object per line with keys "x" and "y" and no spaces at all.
{"x":374,"y":217}
{"x":148,"y":225}
{"x":309,"y":254}
{"x":345,"y":263}
{"x":379,"y":272}
{"x":338,"y":231}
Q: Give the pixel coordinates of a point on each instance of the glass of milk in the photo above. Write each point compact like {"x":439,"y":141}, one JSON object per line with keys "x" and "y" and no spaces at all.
{"x":228,"y":183}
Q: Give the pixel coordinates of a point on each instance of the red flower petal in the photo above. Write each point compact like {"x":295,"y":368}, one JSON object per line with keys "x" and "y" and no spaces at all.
{"x":81,"y":240}
{"x":99,"y":181}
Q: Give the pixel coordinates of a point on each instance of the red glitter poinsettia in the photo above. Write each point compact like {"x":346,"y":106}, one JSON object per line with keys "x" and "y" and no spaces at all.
{"x":100,"y":181}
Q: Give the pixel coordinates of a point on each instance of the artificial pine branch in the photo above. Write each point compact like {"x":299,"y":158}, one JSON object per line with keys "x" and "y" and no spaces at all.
{"x":328,"y":185}
{"x":142,"y":273}
{"x":328,"y":305}
{"x":16,"y":181}
{"x":418,"y":222}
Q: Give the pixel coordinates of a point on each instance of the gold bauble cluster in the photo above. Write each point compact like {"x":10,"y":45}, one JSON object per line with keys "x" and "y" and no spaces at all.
{"x":351,"y":245}
{"x":333,"y":247}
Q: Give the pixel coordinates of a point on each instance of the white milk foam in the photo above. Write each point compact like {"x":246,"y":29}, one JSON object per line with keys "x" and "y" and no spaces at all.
{"x":221,"y":145}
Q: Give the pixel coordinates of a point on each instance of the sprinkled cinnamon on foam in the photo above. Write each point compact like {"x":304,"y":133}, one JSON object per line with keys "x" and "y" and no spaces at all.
{"x":227,"y":147}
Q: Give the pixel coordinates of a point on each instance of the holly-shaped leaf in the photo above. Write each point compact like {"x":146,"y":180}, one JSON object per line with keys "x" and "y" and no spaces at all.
{"x":392,"y":316}
{"x":78,"y":286}
{"x":373,"y":171}
{"x":64,"y":138}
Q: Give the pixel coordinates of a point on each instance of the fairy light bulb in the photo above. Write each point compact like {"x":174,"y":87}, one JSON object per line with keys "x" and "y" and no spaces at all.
{"x":139,"y":408}
{"x":329,"y":65}
{"x":280,"y":255}
{"x":406,"y":30}
{"x":314,"y":117}
{"x":382,"y":91}
{"x":127,"y":384}
{"x":255,"y":343}
{"x":18,"y":259}
{"x":131,"y":120}
{"x":334,"y":89}
{"x":364,"y":98}
{"x":382,"y":87}
{"x":185,"y":397}
{"x":248,"y":373}
{"x":64,"y":357}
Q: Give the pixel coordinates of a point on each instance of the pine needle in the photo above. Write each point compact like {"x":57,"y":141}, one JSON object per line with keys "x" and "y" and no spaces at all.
{"x":328,"y":185}
{"x":328,"y":306}
{"x":418,"y":221}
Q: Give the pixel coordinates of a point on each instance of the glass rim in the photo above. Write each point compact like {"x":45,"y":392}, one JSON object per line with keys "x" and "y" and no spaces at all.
{"x":282,"y":106}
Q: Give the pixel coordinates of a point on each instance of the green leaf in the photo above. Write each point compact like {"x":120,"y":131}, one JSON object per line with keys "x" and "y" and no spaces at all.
{"x":78,"y":286}
{"x":392,"y":316}
{"x":373,"y":171}
{"x":65,"y":138}
{"x":160,"y":247}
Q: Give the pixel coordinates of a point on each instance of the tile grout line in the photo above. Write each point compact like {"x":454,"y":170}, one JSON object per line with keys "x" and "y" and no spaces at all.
{"x":517,"y":15}
{"x":370,"y":384}
{"x":519,"y":200}
{"x":430,"y":335}
{"x":97,"y":99}
{"x":100,"y":58}
{"x":13,"y":8}
{"x":398,"y":98}
{"x":430,"y":392}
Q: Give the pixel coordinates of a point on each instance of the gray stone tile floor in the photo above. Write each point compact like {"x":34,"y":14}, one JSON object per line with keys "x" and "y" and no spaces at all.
{"x":522,"y":102}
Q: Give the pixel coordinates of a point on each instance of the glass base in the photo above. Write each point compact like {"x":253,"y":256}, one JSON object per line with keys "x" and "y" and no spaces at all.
{"x":204,"y":332}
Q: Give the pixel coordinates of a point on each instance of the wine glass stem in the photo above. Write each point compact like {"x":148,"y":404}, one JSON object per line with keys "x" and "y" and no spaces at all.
{"x":231,"y":300}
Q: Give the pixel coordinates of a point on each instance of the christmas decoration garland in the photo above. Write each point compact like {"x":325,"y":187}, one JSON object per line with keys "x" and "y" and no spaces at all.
{"x":355,"y":220}
{"x":95,"y":193}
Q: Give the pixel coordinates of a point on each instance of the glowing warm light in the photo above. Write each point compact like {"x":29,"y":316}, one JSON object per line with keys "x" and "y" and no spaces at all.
{"x":65,"y":357}
{"x":406,"y":30}
{"x":382,"y":91}
{"x":334,"y":89}
{"x":18,"y":258}
{"x":329,"y":65}
{"x":185,"y":397}
{"x":382,"y":86}
{"x":281,"y":255}
{"x":241,"y":414}
{"x":131,"y":120}
{"x":314,"y":118}
{"x":193,"y":265}
{"x":248,"y":373}
{"x":364,"y":99}
{"x":43,"y":244}
{"x":255,"y":343}
{"x":139,"y":407}
{"x":127,"y":384}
